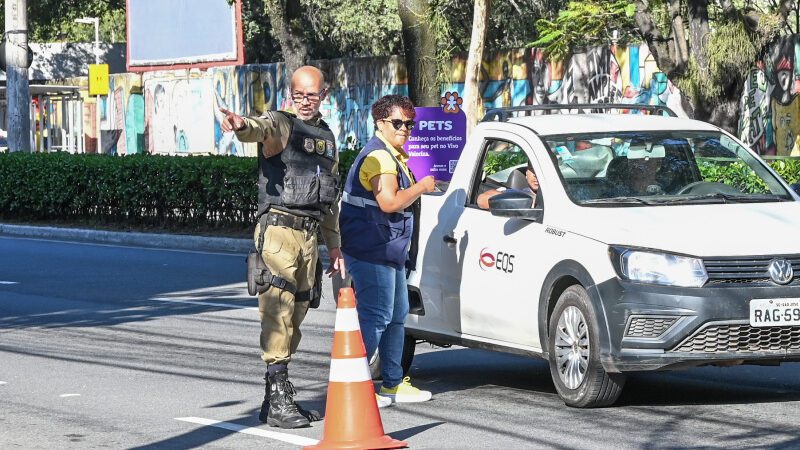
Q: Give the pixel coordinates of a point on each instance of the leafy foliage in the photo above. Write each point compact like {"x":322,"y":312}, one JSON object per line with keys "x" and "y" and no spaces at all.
{"x":139,"y":189}
{"x":585,"y":23}
{"x":742,"y":177}
{"x":163,"y":191}
{"x":54,"y":20}
{"x":497,"y":161}
{"x":356,"y":28}
{"x":731,"y":50}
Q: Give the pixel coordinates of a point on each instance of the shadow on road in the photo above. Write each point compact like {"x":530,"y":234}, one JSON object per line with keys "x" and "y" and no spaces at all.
{"x":62,"y":284}
{"x":459,"y":369}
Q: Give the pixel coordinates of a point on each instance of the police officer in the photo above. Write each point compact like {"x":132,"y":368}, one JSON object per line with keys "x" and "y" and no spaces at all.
{"x":297,"y":194}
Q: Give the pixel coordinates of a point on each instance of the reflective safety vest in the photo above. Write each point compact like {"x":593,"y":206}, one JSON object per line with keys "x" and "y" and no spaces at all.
{"x":369,"y":234}
{"x":300,"y":179}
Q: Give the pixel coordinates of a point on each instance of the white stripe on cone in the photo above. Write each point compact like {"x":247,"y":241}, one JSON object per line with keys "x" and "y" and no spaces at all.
{"x":346,"y":320}
{"x":350,"y":370}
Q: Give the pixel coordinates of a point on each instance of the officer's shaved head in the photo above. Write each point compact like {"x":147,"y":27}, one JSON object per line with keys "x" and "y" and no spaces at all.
{"x":308,"y":75}
{"x":308,"y":91}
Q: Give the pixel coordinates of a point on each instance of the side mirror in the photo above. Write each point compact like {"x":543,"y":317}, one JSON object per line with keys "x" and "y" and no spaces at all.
{"x":795,"y":187}
{"x":514,"y":203}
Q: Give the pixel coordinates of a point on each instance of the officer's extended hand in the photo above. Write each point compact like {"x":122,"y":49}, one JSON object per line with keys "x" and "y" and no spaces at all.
{"x":428,"y":183}
{"x":231,"y":121}
{"x":337,"y":263}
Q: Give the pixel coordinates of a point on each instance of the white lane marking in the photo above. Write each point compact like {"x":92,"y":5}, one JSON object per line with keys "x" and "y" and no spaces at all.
{"x":9,"y":282}
{"x":3,"y":382}
{"x":224,"y":305}
{"x":69,"y":395}
{"x":283,"y":437}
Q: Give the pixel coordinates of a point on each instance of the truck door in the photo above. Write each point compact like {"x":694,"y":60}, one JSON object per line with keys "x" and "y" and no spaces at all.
{"x":499,"y":283}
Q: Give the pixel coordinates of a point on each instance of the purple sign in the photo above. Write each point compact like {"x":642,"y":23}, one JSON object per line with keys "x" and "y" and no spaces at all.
{"x":436,"y":142}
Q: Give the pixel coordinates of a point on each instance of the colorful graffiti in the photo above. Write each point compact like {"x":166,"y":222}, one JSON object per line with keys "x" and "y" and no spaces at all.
{"x":176,"y":112}
{"x":179,"y":112}
{"x":770,"y":110}
{"x":125,"y":112}
{"x":600,"y":75}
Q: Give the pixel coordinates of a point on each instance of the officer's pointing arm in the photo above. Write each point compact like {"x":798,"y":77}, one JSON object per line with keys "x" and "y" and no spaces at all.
{"x":273,"y":129}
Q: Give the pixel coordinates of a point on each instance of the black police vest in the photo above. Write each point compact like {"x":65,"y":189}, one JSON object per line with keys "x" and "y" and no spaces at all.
{"x":300,"y":179}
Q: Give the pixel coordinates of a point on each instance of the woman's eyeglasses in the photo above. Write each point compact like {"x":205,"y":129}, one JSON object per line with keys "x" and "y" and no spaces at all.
{"x":397,"y":123}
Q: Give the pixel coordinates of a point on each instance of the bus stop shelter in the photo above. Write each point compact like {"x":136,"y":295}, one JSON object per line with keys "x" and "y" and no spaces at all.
{"x":56,"y":118}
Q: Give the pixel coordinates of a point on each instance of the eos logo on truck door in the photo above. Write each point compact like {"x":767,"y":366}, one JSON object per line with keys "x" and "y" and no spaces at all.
{"x":501,"y":261}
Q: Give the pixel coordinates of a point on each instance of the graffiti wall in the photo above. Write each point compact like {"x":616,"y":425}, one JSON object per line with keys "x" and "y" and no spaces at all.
{"x":770,"y":119}
{"x":178,"y":112}
{"x":613,"y":74}
{"x":122,"y":115}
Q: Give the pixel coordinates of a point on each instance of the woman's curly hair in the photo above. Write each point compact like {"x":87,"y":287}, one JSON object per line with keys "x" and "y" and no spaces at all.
{"x":382,"y":108}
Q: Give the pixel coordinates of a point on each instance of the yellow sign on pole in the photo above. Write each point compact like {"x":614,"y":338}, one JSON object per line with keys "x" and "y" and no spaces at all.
{"x":98,"y":79}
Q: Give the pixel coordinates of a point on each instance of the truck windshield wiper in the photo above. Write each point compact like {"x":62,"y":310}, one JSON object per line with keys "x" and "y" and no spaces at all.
{"x":619,"y":201}
{"x":731,"y":198}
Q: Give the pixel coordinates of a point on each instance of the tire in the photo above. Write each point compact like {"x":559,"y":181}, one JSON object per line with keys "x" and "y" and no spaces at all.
{"x":409,"y":345}
{"x":575,"y":365}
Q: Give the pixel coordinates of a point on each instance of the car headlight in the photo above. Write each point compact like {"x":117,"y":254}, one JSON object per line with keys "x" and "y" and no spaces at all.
{"x":658,"y":268}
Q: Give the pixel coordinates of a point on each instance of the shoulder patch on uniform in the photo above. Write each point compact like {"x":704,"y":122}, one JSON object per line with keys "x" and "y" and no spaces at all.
{"x":329,"y":149}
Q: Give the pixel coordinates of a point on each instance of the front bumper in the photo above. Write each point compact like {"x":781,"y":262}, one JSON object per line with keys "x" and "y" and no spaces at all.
{"x":659,"y":327}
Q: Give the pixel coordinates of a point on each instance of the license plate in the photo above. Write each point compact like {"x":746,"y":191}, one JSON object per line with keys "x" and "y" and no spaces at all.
{"x":773,"y":312}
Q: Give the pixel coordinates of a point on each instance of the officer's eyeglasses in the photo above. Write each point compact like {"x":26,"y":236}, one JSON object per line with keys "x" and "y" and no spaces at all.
{"x":312,"y":97}
{"x":397,"y":123}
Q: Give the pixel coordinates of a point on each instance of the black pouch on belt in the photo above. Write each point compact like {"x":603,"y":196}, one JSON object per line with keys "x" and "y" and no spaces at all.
{"x":256,"y":269}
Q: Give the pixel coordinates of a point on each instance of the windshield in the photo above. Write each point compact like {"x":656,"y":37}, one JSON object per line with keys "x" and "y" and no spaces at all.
{"x":661,"y":167}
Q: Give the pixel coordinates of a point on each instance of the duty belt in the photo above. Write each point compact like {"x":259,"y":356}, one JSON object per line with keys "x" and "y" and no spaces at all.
{"x":295,"y":222}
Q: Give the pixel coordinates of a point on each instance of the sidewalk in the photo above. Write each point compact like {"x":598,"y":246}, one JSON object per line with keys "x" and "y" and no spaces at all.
{"x":136,"y":239}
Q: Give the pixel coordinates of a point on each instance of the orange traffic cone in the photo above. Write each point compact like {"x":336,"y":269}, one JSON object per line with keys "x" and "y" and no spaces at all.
{"x":352,"y":419}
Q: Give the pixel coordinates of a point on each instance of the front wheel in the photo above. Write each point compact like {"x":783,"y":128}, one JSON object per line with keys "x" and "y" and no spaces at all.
{"x":573,"y":343}
{"x":409,"y":345}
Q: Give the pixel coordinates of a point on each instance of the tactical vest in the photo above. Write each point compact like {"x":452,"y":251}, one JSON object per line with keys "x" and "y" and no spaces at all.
{"x":300,"y":179}
{"x":368,"y":233}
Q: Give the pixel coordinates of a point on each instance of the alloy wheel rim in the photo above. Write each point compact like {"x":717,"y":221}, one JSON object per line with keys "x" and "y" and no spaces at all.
{"x":572,"y":347}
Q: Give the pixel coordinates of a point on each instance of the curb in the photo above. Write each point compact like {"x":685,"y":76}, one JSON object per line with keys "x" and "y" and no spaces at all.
{"x":138,"y":239}
{"x":155,"y":240}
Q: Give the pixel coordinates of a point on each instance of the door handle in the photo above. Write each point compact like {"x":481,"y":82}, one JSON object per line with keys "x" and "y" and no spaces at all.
{"x":449,"y":240}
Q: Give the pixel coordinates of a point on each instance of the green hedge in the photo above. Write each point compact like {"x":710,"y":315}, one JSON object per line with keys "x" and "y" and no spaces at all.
{"x":743,"y":178}
{"x":168,"y":191}
{"x":132,"y":190}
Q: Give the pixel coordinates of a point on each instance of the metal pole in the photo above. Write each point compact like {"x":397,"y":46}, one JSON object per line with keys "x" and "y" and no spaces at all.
{"x":97,"y":61}
{"x":18,"y":90}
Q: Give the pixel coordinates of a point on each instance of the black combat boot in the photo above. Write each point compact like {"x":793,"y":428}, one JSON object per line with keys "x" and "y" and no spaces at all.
{"x":279,"y":408}
{"x":312,"y":414}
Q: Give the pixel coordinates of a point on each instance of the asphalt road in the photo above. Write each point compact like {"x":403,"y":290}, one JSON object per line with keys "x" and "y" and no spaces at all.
{"x":119,"y":347}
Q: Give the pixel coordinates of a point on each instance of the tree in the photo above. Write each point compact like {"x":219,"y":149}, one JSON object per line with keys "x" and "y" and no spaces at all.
{"x":705,"y":47}
{"x":472,"y":104}
{"x":419,"y":44}
{"x":710,"y":64}
{"x":286,"y":20}
{"x":54,"y":20}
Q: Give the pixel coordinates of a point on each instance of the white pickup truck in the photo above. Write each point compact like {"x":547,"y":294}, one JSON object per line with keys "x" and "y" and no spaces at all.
{"x":654,"y":242}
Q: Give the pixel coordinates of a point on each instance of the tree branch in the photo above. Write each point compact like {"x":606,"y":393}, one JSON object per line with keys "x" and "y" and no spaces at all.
{"x":784,"y":8}
{"x":655,"y":40}
{"x":678,"y":33}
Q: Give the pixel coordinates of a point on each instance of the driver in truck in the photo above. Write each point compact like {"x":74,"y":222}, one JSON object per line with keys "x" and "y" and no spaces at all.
{"x":532,"y":188}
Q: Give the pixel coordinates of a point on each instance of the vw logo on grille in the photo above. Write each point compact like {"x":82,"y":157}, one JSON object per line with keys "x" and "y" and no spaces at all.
{"x":780,"y":270}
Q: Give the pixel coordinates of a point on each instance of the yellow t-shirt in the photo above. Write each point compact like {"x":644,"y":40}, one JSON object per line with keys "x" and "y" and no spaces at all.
{"x":378,"y":162}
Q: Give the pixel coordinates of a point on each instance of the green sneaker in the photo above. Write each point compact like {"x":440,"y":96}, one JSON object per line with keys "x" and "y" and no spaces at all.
{"x":405,"y":393}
